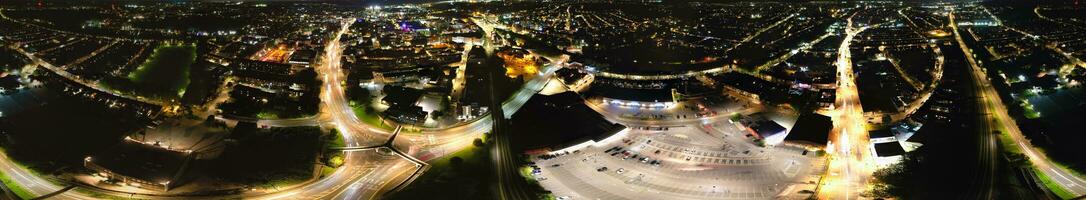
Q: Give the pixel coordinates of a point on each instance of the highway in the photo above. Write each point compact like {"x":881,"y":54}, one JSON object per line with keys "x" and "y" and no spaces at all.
{"x":510,"y":184}
{"x":988,"y":152}
{"x":999,"y":120}
{"x":31,"y":182}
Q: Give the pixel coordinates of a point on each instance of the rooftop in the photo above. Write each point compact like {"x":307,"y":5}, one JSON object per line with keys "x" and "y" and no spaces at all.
{"x":888,"y":149}
{"x":813,"y":128}
{"x":534,"y":124}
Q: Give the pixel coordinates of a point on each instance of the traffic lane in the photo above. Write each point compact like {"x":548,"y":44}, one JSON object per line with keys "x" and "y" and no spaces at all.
{"x":387,"y":174}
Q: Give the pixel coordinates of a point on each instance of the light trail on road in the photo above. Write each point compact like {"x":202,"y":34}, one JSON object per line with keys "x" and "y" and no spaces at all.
{"x":849,"y":143}
{"x":347,"y":181}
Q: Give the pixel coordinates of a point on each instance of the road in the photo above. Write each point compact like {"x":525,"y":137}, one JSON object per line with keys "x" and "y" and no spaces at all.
{"x":59,"y":71}
{"x":431,"y":143}
{"x":355,"y":179}
{"x":716,"y":70}
{"x":926,"y":91}
{"x":362,"y":171}
{"x":426,"y":144}
{"x":851,"y":163}
{"x":90,"y":84}
{"x":33,"y":183}
{"x":1075,"y":61}
{"x":303,"y":121}
{"x":353,"y":174}
{"x":988,"y":153}
{"x":510,"y":184}
{"x":999,"y":120}
{"x":364,"y":175}
{"x":29,"y":181}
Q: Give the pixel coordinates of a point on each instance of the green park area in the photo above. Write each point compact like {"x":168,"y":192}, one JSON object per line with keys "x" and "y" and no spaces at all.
{"x":368,"y":115}
{"x":164,"y":75}
{"x":166,"y":72}
{"x":466,"y":174}
{"x":272,"y":158}
{"x":332,"y":158}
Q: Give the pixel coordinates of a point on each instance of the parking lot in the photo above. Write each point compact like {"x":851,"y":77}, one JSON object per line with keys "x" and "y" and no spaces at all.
{"x":707,"y":162}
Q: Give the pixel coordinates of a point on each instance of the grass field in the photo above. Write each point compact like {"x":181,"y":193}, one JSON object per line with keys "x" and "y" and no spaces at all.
{"x":465,"y":174}
{"x":166,"y":73}
{"x":371,"y":118}
{"x":267,"y":115}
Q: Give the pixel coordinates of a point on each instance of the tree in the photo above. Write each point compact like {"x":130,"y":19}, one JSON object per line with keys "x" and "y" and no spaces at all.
{"x":456,"y":161}
{"x":477,"y":142}
{"x":336,"y":161}
{"x":446,"y":102}
{"x":437,"y":114}
{"x":894,"y":181}
{"x":360,"y":94}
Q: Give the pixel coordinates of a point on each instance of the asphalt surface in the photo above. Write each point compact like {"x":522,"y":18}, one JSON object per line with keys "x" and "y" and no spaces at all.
{"x":693,"y":166}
